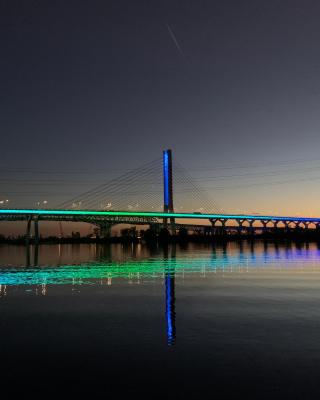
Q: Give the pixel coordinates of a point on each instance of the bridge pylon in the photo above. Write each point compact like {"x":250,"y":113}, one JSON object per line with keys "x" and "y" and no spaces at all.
{"x":168,"y":187}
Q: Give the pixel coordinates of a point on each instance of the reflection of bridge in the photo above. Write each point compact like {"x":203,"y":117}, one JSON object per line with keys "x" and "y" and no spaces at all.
{"x":161,"y":262}
{"x":168,"y":218}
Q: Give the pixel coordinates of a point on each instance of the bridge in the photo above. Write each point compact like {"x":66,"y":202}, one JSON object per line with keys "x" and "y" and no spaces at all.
{"x":167,"y":218}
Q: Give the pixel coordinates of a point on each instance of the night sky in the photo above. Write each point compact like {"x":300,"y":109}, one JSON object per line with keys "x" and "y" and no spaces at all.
{"x":99,"y":87}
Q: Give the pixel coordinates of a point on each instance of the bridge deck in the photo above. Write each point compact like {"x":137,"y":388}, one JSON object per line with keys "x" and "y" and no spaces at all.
{"x":146,"y":216}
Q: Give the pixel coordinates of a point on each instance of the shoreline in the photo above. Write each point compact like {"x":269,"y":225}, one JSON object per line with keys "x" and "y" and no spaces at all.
{"x":303,"y":236}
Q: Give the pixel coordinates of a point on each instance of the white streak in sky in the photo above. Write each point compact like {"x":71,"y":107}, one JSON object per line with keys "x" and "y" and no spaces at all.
{"x":175,"y":41}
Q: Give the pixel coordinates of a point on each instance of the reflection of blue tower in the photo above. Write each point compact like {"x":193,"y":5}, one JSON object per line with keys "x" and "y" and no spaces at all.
{"x":170,"y":309}
{"x":170,"y":294}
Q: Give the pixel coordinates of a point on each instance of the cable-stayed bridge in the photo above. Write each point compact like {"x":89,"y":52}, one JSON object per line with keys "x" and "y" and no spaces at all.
{"x":145,"y":196}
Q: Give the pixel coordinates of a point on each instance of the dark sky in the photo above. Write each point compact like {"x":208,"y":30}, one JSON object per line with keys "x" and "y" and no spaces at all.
{"x":101,"y":85}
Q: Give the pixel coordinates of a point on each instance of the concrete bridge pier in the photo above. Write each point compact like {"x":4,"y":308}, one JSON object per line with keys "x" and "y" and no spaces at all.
{"x":216,"y":229}
{"x":291,"y":225}
{"x":213,"y":226}
{"x":36,"y":230}
{"x":306,"y":225}
{"x":35,"y":221}
{"x":28,"y":232}
{"x":297,"y":225}
{"x":172,"y":225}
{"x":264,"y":224}
{"x":223,"y":226}
{"x":240,"y":225}
{"x":251,"y":228}
{"x":275,"y":224}
{"x":286,"y":226}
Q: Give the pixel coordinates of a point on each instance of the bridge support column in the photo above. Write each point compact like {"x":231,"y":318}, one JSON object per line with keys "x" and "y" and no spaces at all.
{"x":173,"y":227}
{"x":28,"y":233}
{"x":223,"y":224}
{"x":240,"y":225}
{"x":36,"y":230}
{"x":286,"y":226}
{"x":264,"y":224}
{"x":275,"y":224}
{"x":290,"y":226}
{"x":297,"y":224}
{"x":218,"y":229}
{"x":251,"y":228}
{"x":213,"y":223}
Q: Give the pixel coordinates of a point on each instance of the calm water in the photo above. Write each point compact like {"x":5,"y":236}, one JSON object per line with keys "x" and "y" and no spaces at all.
{"x":100,"y":320}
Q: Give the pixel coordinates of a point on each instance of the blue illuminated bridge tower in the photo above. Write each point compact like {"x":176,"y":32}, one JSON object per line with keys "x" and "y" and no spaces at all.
{"x":168,"y":187}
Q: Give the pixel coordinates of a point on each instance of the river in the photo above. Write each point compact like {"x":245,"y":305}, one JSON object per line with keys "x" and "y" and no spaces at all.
{"x":240,"y":318}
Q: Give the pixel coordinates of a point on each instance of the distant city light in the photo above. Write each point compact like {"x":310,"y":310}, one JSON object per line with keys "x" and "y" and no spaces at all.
{"x":4,"y":202}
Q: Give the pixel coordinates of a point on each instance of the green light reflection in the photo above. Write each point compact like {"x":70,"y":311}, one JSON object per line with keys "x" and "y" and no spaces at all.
{"x":92,"y":273}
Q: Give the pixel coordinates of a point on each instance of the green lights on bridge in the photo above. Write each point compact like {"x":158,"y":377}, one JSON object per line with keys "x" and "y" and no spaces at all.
{"x":146,"y":214}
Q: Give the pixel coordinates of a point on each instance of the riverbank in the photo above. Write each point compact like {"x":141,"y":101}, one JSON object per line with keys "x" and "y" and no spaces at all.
{"x":302,"y":235}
